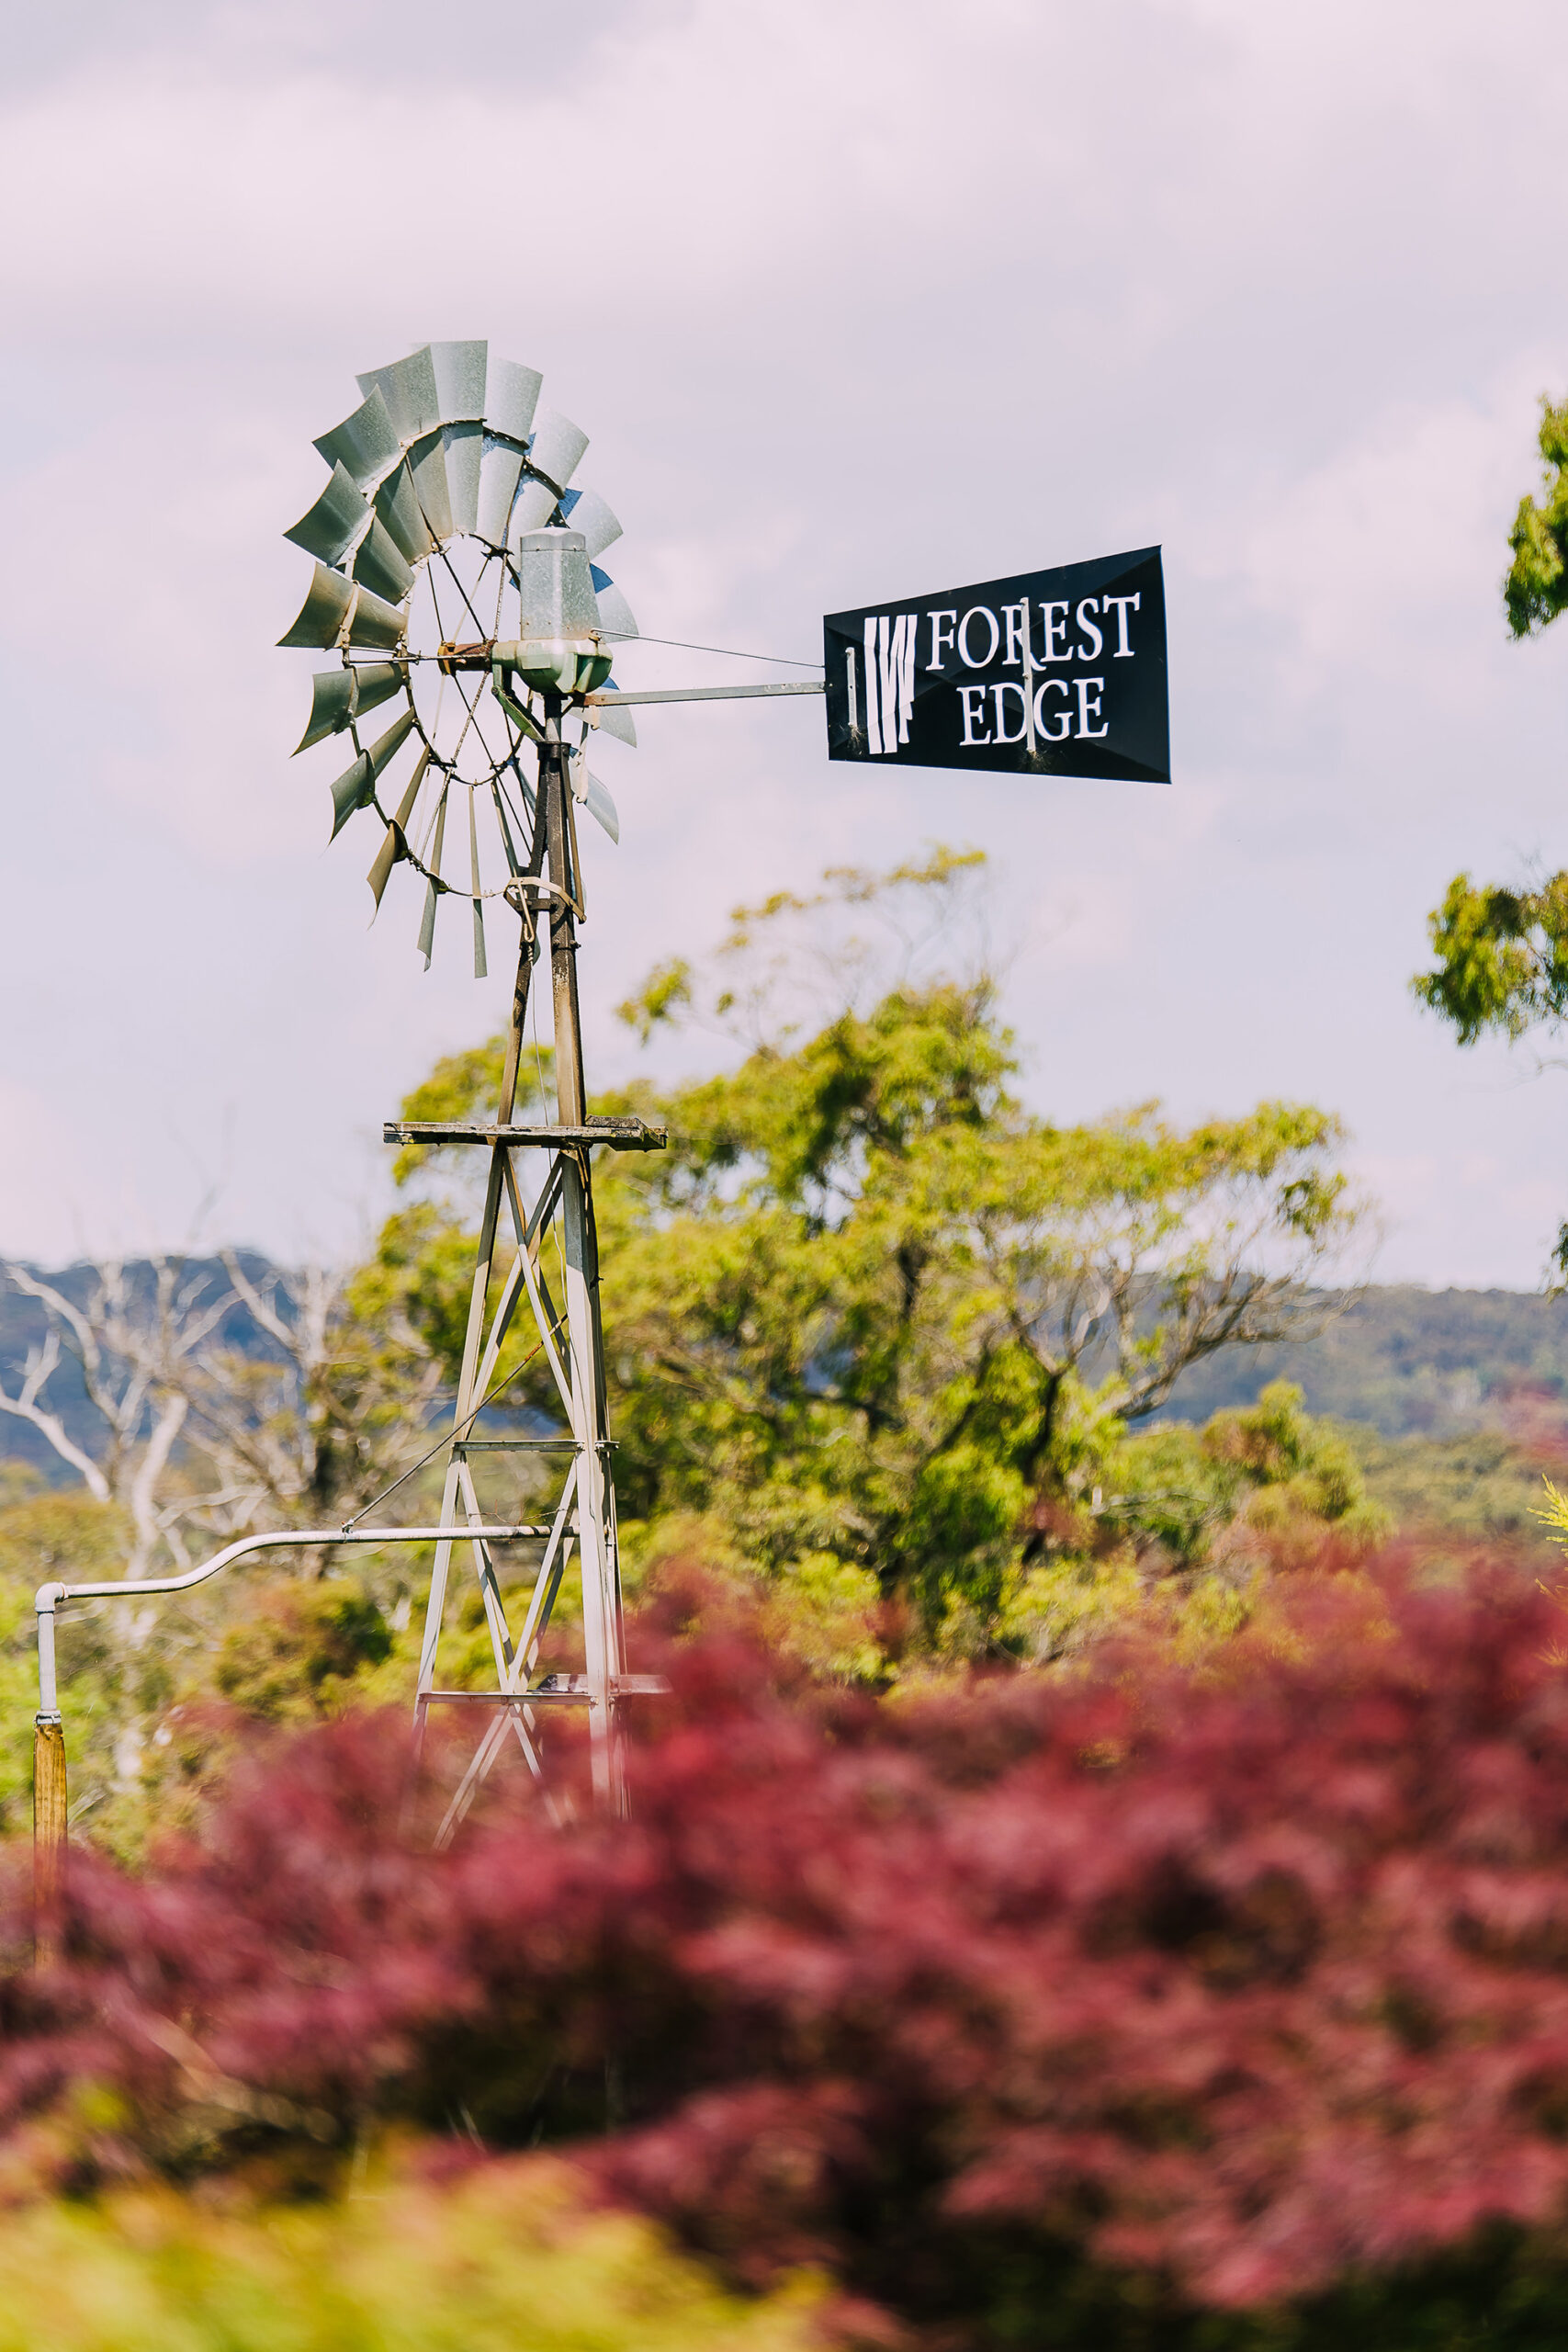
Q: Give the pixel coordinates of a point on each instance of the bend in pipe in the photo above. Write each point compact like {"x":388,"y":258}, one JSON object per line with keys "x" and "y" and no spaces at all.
{"x":50,"y":1597}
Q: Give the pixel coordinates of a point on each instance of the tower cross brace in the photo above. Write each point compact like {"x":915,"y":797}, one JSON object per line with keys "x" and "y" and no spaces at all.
{"x":548,"y":894}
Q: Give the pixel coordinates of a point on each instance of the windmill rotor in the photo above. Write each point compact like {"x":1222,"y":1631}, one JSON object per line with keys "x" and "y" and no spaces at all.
{"x":456,"y":575}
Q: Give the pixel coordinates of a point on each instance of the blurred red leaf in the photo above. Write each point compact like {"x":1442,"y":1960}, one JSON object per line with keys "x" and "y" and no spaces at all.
{"x":1254,"y":1976}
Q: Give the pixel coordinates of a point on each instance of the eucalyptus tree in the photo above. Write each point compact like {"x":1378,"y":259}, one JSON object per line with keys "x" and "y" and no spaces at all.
{"x":867,"y":1305}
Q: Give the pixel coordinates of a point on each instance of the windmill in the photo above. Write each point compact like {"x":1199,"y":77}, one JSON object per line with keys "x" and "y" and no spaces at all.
{"x":455,"y":577}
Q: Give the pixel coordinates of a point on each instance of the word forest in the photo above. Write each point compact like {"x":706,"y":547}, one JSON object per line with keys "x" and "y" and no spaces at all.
{"x":1059,"y":673}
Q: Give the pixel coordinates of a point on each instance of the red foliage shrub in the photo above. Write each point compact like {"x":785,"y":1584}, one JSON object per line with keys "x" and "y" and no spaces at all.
{"x":1252,"y":1978}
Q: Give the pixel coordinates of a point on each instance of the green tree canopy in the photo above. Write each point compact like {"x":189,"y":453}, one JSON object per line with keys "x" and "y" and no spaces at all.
{"x":1536,"y":588}
{"x":1502,"y":953}
{"x":867,"y":1308}
{"x":1502,"y":958}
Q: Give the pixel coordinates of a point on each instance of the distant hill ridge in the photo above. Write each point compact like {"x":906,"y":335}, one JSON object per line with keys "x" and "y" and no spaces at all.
{"x":1404,"y":1359}
{"x":1401,"y":1358}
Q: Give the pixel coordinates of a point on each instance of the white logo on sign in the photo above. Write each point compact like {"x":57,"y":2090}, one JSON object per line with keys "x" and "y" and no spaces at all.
{"x":889,"y":680}
{"x":974,"y":642}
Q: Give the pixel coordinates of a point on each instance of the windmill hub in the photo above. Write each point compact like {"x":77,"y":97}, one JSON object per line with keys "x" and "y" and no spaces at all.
{"x":453,"y":657}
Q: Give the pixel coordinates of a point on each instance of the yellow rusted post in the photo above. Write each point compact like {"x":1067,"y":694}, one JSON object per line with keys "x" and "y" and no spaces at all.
{"x":49,"y":1830}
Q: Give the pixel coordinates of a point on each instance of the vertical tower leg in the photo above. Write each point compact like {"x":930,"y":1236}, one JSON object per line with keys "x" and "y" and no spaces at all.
{"x":572,"y":1341}
{"x":472,"y":1347}
{"x":601,"y":1582}
{"x":602,"y":1630}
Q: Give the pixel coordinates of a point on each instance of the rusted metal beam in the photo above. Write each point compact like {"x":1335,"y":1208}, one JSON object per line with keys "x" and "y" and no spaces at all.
{"x":621,"y":1135}
{"x":450,"y":657}
{"x":557,"y":1689}
{"x":49,"y":1816}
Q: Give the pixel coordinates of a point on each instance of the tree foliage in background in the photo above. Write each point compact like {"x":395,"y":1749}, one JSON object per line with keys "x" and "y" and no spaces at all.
{"x":1502,"y":952}
{"x":1502,"y":958}
{"x":158,"y":1694}
{"x":191,"y":1432}
{"x":133,"y":1338}
{"x":510,"y":2255}
{"x":1186,"y":1535}
{"x":877,"y":1338}
{"x":867,"y":1314}
{"x":194,"y":1439}
{"x":1536,"y":588}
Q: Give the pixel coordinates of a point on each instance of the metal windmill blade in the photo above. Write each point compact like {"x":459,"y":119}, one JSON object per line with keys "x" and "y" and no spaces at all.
{"x":355,"y":788}
{"x":336,"y":520}
{"x":375,"y":622}
{"x":365,"y":443}
{"x":378,"y":564}
{"x":329,"y":601}
{"x":554,"y":454}
{"x":399,"y":511}
{"x":556,"y":448}
{"x":616,"y":722}
{"x":613,"y":610}
{"x":594,"y":797}
{"x":460,"y":370}
{"x":462,"y":454}
{"x":408,"y":389}
{"x":585,"y":511}
{"x":339,"y":696}
{"x":511,"y":395}
{"x":500,"y":468}
{"x":427,"y":466}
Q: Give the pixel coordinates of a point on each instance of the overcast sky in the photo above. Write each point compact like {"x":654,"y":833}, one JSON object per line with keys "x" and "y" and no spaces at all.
{"x":857,"y":298}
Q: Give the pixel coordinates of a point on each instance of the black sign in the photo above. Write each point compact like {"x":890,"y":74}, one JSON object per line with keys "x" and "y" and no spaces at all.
{"x":1055,"y":673}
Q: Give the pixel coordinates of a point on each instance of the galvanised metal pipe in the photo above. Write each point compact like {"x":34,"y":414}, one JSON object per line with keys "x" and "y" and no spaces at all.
{"x":50,"y":1597}
{"x":47,"y":1696}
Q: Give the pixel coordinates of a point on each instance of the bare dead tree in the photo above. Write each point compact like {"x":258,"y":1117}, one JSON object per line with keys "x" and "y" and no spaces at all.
{"x":196,"y":1434}
{"x":336,"y":1408}
{"x":134,"y":1345}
